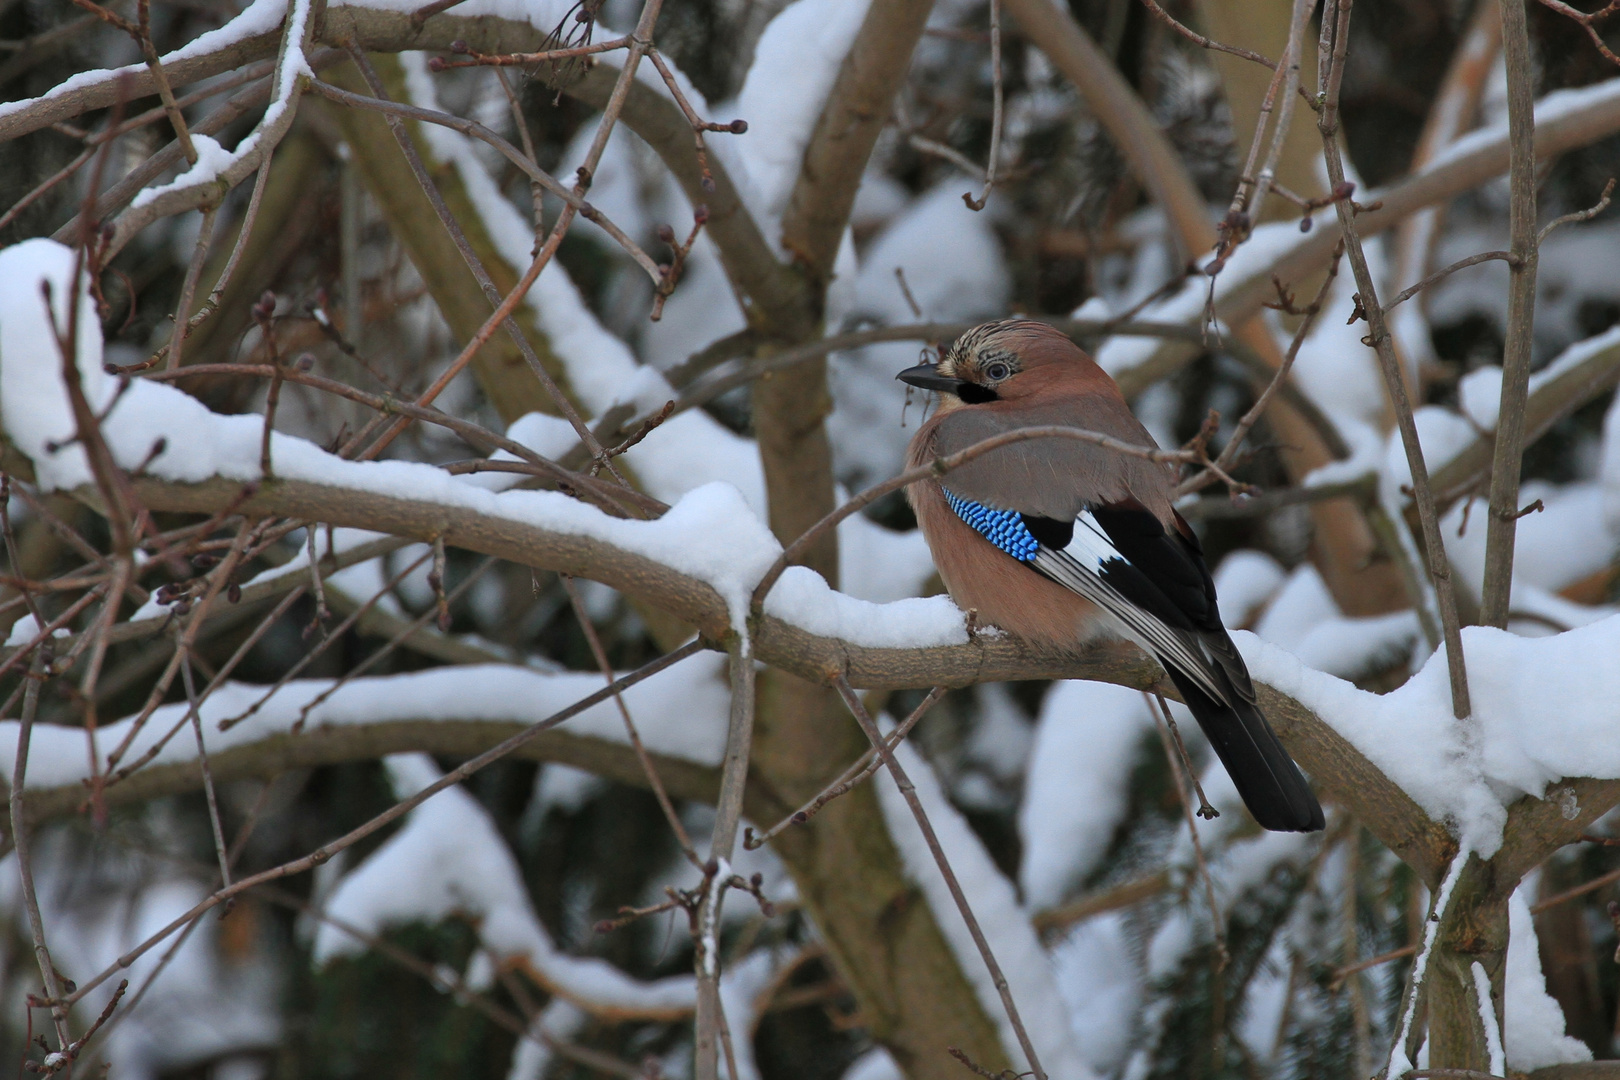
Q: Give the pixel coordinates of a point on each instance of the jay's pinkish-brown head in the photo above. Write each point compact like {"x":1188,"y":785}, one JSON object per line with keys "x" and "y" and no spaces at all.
{"x":1013,"y":361}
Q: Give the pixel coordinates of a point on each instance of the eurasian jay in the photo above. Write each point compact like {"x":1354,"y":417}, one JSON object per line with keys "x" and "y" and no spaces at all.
{"x":1059,"y":540}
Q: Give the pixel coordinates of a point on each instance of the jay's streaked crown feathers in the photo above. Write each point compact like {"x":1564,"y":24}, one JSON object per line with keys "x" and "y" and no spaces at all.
{"x":1059,"y":540}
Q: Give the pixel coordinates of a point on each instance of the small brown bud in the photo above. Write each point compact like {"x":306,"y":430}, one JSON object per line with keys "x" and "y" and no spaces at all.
{"x":700,"y":213}
{"x":1343,"y":190}
{"x":234,"y":593}
{"x":666,"y":234}
{"x":436,"y":64}
{"x":458,"y":47}
{"x":739,"y":127}
{"x":305,"y":362}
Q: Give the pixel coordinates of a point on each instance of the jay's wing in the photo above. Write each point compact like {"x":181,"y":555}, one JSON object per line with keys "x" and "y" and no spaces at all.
{"x":1121,"y":559}
{"x":1154,"y":582}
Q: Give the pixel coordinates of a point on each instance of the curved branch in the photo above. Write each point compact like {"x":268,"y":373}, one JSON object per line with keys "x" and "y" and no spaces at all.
{"x":1339,"y":770}
{"x":854,"y":113}
{"x":266,"y":758}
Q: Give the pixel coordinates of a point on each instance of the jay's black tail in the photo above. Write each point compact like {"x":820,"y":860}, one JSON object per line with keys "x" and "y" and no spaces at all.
{"x":1266,"y":777}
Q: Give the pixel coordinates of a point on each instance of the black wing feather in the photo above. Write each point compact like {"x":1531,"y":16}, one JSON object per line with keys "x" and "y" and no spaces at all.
{"x":1163,"y":573}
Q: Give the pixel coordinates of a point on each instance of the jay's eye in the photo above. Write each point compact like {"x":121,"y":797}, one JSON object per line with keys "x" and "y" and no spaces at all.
{"x":997,"y":371}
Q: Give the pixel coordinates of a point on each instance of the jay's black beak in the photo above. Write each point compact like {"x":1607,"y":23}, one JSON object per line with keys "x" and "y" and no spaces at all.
{"x":927,"y":377}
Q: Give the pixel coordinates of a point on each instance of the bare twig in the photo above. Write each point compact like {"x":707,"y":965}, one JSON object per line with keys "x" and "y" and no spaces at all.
{"x":20,"y":840}
{"x":521,"y":122}
{"x":583,"y":617}
{"x":909,"y":792}
{"x":264,"y":313}
{"x":1248,"y":201}
{"x":207,"y":773}
{"x":1587,"y":20}
{"x":991,"y":172}
{"x":852,"y":777}
{"x":1205,"y":810}
{"x":322,"y":612}
{"x":935,"y":148}
{"x":1578,"y":891}
{"x":699,"y":125}
{"x":1580,"y":215}
{"x":1336,"y":33}
{"x":1439,"y":275}
{"x":199,"y":255}
{"x":710,"y":1020}
{"x":1340,"y":974}
{"x":1126,"y":894}
{"x":1200,"y":40}
{"x":529,"y":59}
{"x":1183,"y":781}
{"x":143,"y":38}
{"x":1501,"y":525}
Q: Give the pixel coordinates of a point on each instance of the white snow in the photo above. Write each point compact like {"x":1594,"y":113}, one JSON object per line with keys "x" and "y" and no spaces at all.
{"x":449,"y":859}
{"x":709,"y":534}
{"x":795,"y":62}
{"x":212,"y":159}
{"x":1078,"y":784}
{"x":259,"y":17}
{"x":1100,"y":981}
{"x":1543,"y":710}
{"x":1533,"y":1023}
{"x":1487,"y":1019}
{"x":875,"y":1064}
{"x":1005,"y":924}
{"x":680,"y":712}
{"x":1551,"y":108}
{"x":1244,"y":582}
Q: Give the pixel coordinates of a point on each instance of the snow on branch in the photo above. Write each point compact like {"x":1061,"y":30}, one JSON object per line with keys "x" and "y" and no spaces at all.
{"x":1565,"y":120}
{"x":702,"y":560}
{"x":449,"y":859}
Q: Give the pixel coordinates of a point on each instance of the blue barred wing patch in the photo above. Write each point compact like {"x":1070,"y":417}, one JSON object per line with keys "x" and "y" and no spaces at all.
{"x":1003,"y":528}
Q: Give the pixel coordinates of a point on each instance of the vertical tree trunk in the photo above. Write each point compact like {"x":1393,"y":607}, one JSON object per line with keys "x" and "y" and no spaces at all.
{"x":1474,"y":930}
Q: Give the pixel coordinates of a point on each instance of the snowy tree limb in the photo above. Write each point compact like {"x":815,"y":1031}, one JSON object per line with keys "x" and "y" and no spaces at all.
{"x":1339,"y":769}
{"x":853,"y":115}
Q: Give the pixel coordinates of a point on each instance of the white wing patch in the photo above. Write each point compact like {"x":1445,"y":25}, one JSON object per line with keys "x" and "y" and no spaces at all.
{"x":1078,"y":567}
{"x":1091,"y":546}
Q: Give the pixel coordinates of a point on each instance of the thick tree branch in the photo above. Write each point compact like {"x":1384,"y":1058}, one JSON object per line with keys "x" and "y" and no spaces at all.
{"x":1339,"y":770}
{"x":854,"y":114}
